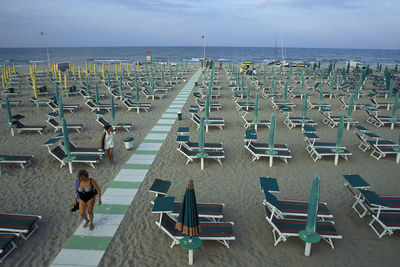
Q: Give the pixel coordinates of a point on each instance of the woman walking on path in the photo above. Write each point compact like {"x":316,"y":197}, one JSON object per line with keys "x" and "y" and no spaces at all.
{"x":86,"y":190}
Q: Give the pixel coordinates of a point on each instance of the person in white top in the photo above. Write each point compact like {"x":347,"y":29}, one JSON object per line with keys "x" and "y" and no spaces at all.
{"x":107,"y":142}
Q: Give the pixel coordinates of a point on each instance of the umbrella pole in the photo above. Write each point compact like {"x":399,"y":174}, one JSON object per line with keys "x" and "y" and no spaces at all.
{"x":202,"y":163}
{"x":336,"y":159}
{"x":348,"y":126}
{"x":71,"y":171}
{"x":398,"y":158}
{"x":271,"y":158}
{"x":307,"y":250}
{"x":190,"y":256}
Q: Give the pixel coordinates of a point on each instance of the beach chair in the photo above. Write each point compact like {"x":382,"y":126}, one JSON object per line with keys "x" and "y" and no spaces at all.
{"x":138,"y":106}
{"x":382,"y":120}
{"x":100,"y":107}
{"x":293,"y":209}
{"x":91,"y":159}
{"x":381,"y":151}
{"x":75,"y":150}
{"x":316,"y":105}
{"x":292,"y":122}
{"x":7,"y":244}
{"x":23,"y":224}
{"x":260,"y":152}
{"x":376,"y":104}
{"x":54,"y":106}
{"x":277,"y":103}
{"x":319,"y":152}
{"x":85,"y":94}
{"x":57,"y":126}
{"x":152,"y":95}
{"x":218,"y":231}
{"x":190,"y":154}
{"x":333,"y":121}
{"x":28,"y":128}
{"x":211,"y":122}
{"x":213,"y":105}
{"x":346,"y":105}
{"x":22,"y":160}
{"x":126,"y":125}
{"x":251,"y":123}
{"x":282,"y":229}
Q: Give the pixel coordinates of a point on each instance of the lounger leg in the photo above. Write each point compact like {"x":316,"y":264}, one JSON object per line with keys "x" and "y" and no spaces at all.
{"x":12,"y":132}
{"x":398,"y":158}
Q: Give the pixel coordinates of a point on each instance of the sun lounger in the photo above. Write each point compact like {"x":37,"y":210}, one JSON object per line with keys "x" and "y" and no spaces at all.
{"x":57,"y":126}
{"x":346,"y":105}
{"x":21,"y":160}
{"x":218,"y":231}
{"x":251,"y":123}
{"x":28,"y":128}
{"x":213,"y":105}
{"x":291,"y":209}
{"x":292,"y":122}
{"x":260,"y":152}
{"x":59,"y":154}
{"x":127,"y":126}
{"x":184,"y":140}
{"x":277,"y":103}
{"x":190,"y":154}
{"x":152,"y":95}
{"x":7,"y":244}
{"x":75,"y":150}
{"x":333,"y":121}
{"x":387,"y":105}
{"x":138,"y":106}
{"x":23,"y":224}
{"x":319,"y":152}
{"x":55,"y":108}
{"x":93,"y":107}
{"x":211,"y":122}
{"x":381,"y":151}
{"x":382,"y":120}
{"x":282,"y":229}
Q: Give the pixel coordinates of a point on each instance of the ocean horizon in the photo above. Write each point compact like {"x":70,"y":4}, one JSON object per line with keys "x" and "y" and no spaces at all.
{"x":193,"y":54}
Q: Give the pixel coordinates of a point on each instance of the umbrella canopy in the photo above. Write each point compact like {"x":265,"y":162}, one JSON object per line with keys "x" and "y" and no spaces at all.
{"x":10,"y":118}
{"x":391,"y":89}
{"x":309,"y":235}
{"x":396,"y":105}
{"x":285,"y":91}
{"x":302,"y":84}
{"x":112,"y":108}
{"x":256,"y":109}
{"x":96,"y":91}
{"x":57,"y":93}
{"x":340,"y":131}
{"x":66,"y":139}
{"x":120,"y":86}
{"x":207,"y":107}
{"x":321,"y":91}
{"x":272,"y":132}
{"x":351,"y":104}
{"x":304,"y":110}
{"x":201,"y":134}
{"x":137,"y":91}
{"x":188,"y":220}
{"x":248,"y":95}
{"x":60,"y":107}
{"x":87,"y":84}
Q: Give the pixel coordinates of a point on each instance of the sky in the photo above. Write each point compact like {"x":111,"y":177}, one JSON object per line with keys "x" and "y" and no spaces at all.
{"x":295,"y":23}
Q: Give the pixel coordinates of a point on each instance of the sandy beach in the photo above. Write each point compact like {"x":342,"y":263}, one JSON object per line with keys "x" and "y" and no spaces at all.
{"x":45,"y":189}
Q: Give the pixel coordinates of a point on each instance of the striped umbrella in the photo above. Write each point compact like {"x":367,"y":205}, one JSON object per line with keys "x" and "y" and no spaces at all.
{"x":309,"y":235}
{"x":188,"y":221}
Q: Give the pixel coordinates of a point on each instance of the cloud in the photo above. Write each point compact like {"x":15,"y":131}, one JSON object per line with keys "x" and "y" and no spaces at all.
{"x":305,"y":3}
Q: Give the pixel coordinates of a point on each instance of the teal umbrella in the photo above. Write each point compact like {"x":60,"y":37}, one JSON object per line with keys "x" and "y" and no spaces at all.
{"x":273,"y":83}
{"x":120,"y":86}
{"x":340,"y":131}
{"x":332,"y":84}
{"x":248,"y":95}
{"x":207,"y":107}
{"x":201,"y":153}
{"x":188,"y":221}
{"x":304,"y":110}
{"x":285,"y":91}
{"x":396,"y":105}
{"x":256,"y":109}
{"x":57,"y":93}
{"x":391,"y":89}
{"x":152,"y":84}
{"x":10,"y":118}
{"x":68,"y":159}
{"x":321,"y":92}
{"x":108,"y":79}
{"x":162,"y":78}
{"x":112,"y":109}
{"x":302,"y":84}
{"x":137,"y":91}
{"x":264,"y":77}
{"x":96,"y":91}
{"x":60,"y":108}
{"x":272,"y":132}
{"x":242,"y":87}
{"x":87,"y":84}
{"x":351,"y":104}
{"x":309,"y":235}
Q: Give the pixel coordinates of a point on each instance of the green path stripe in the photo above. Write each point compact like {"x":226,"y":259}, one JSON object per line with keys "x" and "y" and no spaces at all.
{"x":88,"y":242}
{"x":137,"y":166}
{"x":160,"y":132}
{"x":126,"y":185}
{"x":111,"y":209}
{"x":146,"y":152}
{"x":152,"y":141}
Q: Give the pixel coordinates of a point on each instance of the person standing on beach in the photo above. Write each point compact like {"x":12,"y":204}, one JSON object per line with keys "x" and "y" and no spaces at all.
{"x":86,"y":190}
{"x":107,"y":142}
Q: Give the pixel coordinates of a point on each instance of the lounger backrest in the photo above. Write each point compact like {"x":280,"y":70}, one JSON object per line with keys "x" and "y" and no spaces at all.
{"x":53,"y":122}
{"x":103,"y":121}
{"x":168,"y":223}
{"x":58,"y":153}
{"x":270,"y":198}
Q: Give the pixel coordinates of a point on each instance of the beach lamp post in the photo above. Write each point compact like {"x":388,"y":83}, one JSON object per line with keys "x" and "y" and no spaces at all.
{"x":188,"y":222}
{"x":201,"y":155}
{"x":270,"y":151}
{"x":309,"y":235}
{"x":256,"y":121}
{"x":68,"y":159}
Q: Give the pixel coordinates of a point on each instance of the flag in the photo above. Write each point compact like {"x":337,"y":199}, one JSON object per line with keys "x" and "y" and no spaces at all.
{"x":42,"y":33}
{"x":203,"y":36}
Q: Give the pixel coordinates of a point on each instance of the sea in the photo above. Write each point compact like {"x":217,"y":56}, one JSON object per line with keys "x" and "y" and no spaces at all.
{"x":79,"y":55}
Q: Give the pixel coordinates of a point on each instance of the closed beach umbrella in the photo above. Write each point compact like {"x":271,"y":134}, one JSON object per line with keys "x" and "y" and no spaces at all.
{"x":79,"y":72}
{"x":351,"y":104}
{"x":96,"y":91}
{"x":57,"y":93}
{"x":112,"y":108}
{"x":207,"y":107}
{"x":152,"y":84}
{"x":201,"y":153}
{"x":248,"y":95}
{"x":309,"y":235}
{"x":272,"y":132}
{"x":273,"y":83}
{"x":302,"y":81}
{"x":60,"y":107}
{"x":10,"y":118}
{"x":120,"y":86}
{"x":256,"y":109}
{"x":188,"y":221}
{"x":242,"y":87}
{"x":396,"y":105}
{"x":87,"y":85}
{"x":162,"y":78}
{"x":321,"y":92}
{"x":285,"y":91}
{"x":391,"y":89}
{"x":137,"y":92}
{"x":108,"y":79}
{"x":304,"y":110}
{"x":67,"y":148}
{"x":340,"y":131}
{"x":65,"y":81}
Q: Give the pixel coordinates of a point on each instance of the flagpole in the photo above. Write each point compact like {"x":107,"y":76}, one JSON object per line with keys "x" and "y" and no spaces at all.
{"x":204,"y":49}
{"x":47,"y":48}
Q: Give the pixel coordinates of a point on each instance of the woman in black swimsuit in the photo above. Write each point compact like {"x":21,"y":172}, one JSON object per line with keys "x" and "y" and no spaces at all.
{"x":86,"y":190}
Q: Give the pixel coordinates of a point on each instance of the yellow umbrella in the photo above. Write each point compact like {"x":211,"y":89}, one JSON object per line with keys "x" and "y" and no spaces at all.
{"x":120,"y":65}
{"x":59,"y":76}
{"x":109,"y":67}
{"x":94,"y":69}
{"x":137,"y":64}
{"x":35,"y":67}
{"x":73,"y":69}
{"x":3,"y":80}
{"x":86,"y":67}
{"x":65,"y":81}
{"x":103,"y":71}
{"x":14,"y":68}
{"x":116,"y":69}
{"x":34,"y":87}
{"x":79,"y":72}
{"x":127,"y":66}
